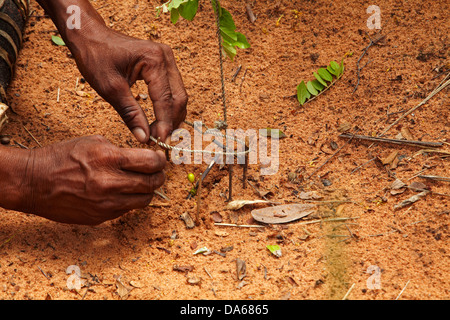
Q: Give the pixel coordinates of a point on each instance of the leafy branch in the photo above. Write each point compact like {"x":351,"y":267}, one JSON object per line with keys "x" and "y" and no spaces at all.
{"x":324,"y":80}
{"x":231,"y":39}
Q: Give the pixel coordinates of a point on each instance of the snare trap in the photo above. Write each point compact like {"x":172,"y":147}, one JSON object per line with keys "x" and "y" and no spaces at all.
{"x":228,"y":40}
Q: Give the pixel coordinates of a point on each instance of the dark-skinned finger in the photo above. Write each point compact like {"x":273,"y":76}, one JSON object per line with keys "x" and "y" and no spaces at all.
{"x":142,"y":160}
{"x":131,"y":112}
{"x":134,"y":183}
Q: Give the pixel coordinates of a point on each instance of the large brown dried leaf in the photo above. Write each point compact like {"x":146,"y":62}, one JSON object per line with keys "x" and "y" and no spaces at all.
{"x":283,"y":213}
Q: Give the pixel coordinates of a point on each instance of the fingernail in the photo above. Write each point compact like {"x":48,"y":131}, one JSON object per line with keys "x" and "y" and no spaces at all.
{"x":139,"y":134}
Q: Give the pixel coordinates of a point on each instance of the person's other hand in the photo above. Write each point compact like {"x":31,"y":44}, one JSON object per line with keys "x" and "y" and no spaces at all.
{"x":112,"y":62}
{"x":89,"y":180}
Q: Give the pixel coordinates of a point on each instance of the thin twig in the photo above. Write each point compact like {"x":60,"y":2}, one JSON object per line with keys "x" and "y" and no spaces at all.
{"x":238,"y":225}
{"x":348,"y":292}
{"x":328,"y":220}
{"x":238,"y":69}
{"x":230,"y":182}
{"x":199,"y":200}
{"x":358,"y":69}
{"x":31,"y":135}
{"x":436,"y":178}
{"x":45,"y":275}
{"x":402,"y":290}
{"x":360,"y":166}
{"x":394,"y":141}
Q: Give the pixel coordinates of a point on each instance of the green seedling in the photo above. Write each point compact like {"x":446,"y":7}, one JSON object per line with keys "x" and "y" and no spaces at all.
{"x":191,"y":178}
{"x":324,"y":80}
{"x":231,"y":39}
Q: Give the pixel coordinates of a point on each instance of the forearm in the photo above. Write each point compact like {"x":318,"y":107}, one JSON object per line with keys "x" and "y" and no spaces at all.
{"x":15,"y":166}
{"x":60,"y":12}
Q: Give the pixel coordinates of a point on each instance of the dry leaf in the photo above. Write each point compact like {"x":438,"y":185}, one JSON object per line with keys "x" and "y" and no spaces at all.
{"x":397,"y":184}
{"x":221,"y":233}
{"x":390,"y":158}
{"x":397,"y":187}
{"x":310,"y":195}
{"x":283,"y":213}
{"x":406,"y":133}
{"x":122,"y":290}
{"x":136,"y":284}
{"x":183,"y":268}
{"x":343,"y":127}
{"x":241,"y":269}
{"x":237,"y":204}
{"x":418,"y":186}
{"x":187,"y":220}
{"x":411,"y":200}
{"x":394,"y":163}
{"x":216,"y":216}
{"x":193,"y":280}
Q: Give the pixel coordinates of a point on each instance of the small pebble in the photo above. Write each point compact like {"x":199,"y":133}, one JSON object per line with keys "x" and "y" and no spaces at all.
{"x":326,"y":182}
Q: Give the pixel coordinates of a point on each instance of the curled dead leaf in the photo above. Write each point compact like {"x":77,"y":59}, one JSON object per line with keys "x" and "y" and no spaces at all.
{"x":237,"y":204}
{"x":410,"y":200}
{"x":310,"y":195}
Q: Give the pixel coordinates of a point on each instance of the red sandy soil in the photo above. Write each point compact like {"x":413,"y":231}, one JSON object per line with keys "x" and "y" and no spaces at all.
{"x":134,"y":256}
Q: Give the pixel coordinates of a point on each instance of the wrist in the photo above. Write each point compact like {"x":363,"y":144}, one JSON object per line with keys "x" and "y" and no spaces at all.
{"x":15,"y":168}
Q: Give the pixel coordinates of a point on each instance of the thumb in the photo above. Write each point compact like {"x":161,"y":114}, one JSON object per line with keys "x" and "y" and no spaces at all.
{"x":132,"y":114}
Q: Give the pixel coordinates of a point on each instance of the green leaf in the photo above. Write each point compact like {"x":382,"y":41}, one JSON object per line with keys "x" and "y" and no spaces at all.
{"x":228,"y":34}
{"x":226,"y":20}
{"x":333,"y":71}
{"x":334,"y":65}
{"x":275,"y":250}
{"x":320,"y":79}
{"x":174,"y":15}
{"x":229,"y":49}
{"x":311,"y":88}
{"x":58,"y":41}
{"x":188,"y":10}
{"x":302,"y":93}
{"x":324,"y":74}
{"x":174,"y":4}
{"x":241,"y":42}
{"x":317,"y":85}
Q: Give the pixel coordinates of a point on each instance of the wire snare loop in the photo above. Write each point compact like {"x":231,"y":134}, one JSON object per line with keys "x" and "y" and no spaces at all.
{"x":213,"y":132}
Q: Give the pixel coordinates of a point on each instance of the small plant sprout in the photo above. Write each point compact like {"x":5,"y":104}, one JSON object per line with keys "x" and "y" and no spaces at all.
{"x":191,"y":178}
{"x":324,"y":80}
